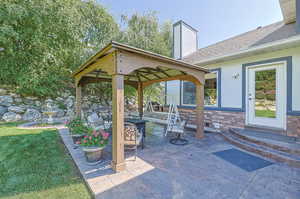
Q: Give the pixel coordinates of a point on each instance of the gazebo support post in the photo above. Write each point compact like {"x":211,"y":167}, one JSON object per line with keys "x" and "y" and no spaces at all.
{"x":199,"y":110}
{"x":118,"y":163}
{"x":140,"y":99}
{"x":78,"y":99}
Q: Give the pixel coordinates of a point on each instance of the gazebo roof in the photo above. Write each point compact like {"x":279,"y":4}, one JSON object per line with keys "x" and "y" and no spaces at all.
{"x":142,"y":74}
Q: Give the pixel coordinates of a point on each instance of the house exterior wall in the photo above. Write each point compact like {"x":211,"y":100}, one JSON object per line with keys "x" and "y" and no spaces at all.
{"x":232,"y":88}
{"x":231,"y":113}
{"x":223,"y":120}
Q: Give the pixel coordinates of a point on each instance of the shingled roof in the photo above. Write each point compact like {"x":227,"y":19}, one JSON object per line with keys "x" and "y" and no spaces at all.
{"x":255,"y":38}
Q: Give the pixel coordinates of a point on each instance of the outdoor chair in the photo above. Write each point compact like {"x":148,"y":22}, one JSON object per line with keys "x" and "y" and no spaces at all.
{"x":132,"y":137}
{"x":178,"y":130}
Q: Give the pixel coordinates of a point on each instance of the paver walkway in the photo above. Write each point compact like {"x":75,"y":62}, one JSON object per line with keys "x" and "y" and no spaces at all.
{"x":163,"y":170}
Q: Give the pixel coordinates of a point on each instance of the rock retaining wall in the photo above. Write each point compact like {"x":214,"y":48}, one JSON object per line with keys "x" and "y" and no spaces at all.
{"x":14,"y":107}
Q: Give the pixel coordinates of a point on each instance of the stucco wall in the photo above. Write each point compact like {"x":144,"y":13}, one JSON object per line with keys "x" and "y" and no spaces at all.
{"x":189,"y":40}
{"x":176,"y":36}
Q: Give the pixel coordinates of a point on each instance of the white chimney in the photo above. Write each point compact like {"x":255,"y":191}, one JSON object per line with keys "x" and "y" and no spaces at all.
{"x":185,"y":39}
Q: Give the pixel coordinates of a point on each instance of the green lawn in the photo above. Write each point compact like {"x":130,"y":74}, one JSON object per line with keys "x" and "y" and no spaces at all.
{"x":34,"y":164}
{"x":265,"y":113}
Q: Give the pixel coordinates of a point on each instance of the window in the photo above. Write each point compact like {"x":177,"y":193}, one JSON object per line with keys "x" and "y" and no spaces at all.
{"x":173,"y":92}
{"x":211,"y":89}
{"x":188,"y":91}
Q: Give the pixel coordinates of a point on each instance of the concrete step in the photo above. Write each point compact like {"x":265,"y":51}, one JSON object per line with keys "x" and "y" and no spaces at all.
{"x":268,"y":139}
{"x":280,"y":156}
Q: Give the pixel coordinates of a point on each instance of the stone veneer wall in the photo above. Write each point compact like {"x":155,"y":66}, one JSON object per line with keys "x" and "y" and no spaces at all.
{"x":222,"y":120}
{"x":293,"y":126}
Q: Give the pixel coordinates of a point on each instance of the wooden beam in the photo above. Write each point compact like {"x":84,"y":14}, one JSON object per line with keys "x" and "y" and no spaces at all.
{"x":176,"y":77}
{"x":143,"y":76}
{"x":140,"y":99}
{"x":118,"y":162}
{"x":154,"y":73}
{"x":78,"y":100}
{"x":106,"y":64}
{"x":199,"y":110}
{"x":88,"y":80}
{"x":164,"y":72}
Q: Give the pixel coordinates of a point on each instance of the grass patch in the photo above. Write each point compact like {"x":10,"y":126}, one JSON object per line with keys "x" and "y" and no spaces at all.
{"x":34,"y":164}
{"x":265,"y":113}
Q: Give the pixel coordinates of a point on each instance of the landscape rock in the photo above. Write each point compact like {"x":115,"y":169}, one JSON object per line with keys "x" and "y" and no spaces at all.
{"x":38,"y":103}
{"x":2,"y":91}
{"x":59,"y":113}
{"x":70,"y":113}
{"x":16,"y":109}
{"x":11,"y":117}
{"x":32,"y":115}
{"x":18,"y":100}
{"x":3,"y":110}
{"x":70,"y":102}
{"x":6,"y":100}
{"x":94,"y":120}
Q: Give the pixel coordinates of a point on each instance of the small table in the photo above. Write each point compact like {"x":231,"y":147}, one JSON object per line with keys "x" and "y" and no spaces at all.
{"x":141,"y":126}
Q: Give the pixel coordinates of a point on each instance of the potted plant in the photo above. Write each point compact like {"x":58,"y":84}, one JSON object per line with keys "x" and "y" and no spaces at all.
{"x":94,"y":144}
{"x":77,"y":129}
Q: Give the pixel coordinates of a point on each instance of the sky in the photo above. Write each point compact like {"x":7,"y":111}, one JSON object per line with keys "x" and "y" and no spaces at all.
{"x":215,"y":20}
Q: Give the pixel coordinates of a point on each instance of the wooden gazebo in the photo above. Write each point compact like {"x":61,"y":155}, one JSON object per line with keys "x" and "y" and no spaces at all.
{"x":122,"y":64}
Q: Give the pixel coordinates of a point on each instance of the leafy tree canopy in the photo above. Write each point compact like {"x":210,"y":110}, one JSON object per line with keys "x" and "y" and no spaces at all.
{"x":42,"y":42}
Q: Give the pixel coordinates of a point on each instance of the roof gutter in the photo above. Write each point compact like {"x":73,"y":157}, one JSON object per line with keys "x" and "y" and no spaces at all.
{"x":277,"y":45}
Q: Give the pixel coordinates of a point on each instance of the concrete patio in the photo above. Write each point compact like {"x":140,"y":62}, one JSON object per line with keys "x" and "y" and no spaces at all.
{"x":163,"y":170}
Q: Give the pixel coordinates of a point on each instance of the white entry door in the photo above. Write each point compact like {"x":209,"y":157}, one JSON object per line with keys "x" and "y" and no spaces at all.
{"x":266,"y":96}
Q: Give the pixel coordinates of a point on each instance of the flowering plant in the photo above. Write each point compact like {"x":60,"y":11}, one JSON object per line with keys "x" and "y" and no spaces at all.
{"x":97,"y":138}
{"x":76,"y":126}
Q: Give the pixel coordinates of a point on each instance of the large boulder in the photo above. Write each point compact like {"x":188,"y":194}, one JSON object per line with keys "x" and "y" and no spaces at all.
{"x":6,"y":100}
{"x":16,"y":109}
{"x":59,"y":113}
{"x":70,"y":113}
{"x":11,"y":117}
{"x":32,"y":115}
{"x":30,"y":100}
{"x":3,"y":110}
{"x":94,"y":120}
{"x":69,"y":102}
{"x":3,"y":91}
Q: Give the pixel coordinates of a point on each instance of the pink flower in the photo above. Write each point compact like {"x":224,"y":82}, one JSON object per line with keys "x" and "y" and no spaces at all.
{"x":78,"y":142}
{"x":85,"y":136}
{"x":84,"y":141}
{"x":90,"y":137}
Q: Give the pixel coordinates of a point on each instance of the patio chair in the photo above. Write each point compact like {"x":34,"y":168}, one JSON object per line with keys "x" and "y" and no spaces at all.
{"x":178,"y":130}
{"x":132,"y":137}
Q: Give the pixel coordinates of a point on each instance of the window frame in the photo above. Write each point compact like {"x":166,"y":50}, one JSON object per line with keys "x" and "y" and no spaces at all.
{"x":217,"y":72}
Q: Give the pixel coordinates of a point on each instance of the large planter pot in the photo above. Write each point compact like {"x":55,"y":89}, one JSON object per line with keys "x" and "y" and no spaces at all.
{"x":93,"y":154}
{"x":77,"y":137}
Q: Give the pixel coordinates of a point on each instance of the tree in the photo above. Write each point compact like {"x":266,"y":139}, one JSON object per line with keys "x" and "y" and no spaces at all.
{"x":43,"y":41}
{"x":145,"y":32}
{"x":142,"y":31}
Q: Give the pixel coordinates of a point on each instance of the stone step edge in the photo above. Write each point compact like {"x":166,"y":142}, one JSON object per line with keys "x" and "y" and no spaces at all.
{"x":263,"y":143}
{"x":265,"y":148}
{"x":276,"y":157}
